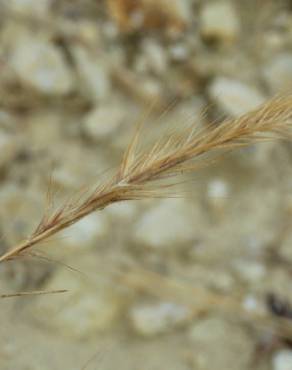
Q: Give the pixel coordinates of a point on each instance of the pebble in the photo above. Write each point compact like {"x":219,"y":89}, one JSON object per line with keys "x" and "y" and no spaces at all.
{"x":250,"y":271}
{"x":219,"y":21}
{"x":278,"y":73}
{"x":16,"y":203}
{"x":219,"y":344}
{"x":77,"y":167}
{"x":153,"y":319}
{"x":93,"y":73}
{"x":234,"y":97}
{"x":155,"y":56}
{"x":30,"y":8}
{"x":88,"y":230}
{"x":169,"y":223}
{"x":254,"y":305}
{"x":217,"y":188}
{"x":217,"y":195}
{"x":282,"y":360}
{"x":179,"y":52}
{"x":85,"y":31}
{"x":40,"y":65}
{"x":8,"y":120}
{"x":285,"y":248}
{"x":103,"y":121}
{"x":89,"y":307}
{"x":124,"y":211}
{"x":9,"y":147}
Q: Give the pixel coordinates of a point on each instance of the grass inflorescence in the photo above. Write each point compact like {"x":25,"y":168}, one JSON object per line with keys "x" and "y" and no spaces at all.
{"x":151,"y":172}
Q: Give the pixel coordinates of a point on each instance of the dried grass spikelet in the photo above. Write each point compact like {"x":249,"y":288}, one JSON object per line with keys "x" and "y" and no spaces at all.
{"x":133,"y":15}
{"x":141,"y":171}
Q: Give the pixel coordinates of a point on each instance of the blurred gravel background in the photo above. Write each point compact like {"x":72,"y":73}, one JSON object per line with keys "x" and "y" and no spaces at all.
{"x":201,"y":282}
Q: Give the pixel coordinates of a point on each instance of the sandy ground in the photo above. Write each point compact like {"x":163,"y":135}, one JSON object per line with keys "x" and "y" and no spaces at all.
{"x":199,"y":282}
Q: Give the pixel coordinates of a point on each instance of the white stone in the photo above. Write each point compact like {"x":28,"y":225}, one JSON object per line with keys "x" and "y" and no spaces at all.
{"x":110,"y":30}
{"x":234,"y":97}
{"x":88,"y":230}
{"x":103,"y":121}
{"x":278,"y":73}
{"x":219,"y":21}
{"x":179,"y":52}
{"x":38,"y":8}
{"x":217,"y":188}
{"x":250,"y":271}
{"x":218,"y":344}
{"x":9,"y":146}
{"x":155,"y":54}
{"x":167,"y":224}
{"x":154,"y":319}
{"x":285,"y":249}
{"x":253,"y":305}
{"x":151,"y":88}
{"x":40,"y":65}
{"x":93,"y":73}
{"x":282,"y":360}
{"x":89,"y":307}
{"x":122,"y":211}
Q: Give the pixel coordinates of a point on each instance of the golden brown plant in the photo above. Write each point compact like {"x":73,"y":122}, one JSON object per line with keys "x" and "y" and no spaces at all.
{"x":35,"y":292}
{"x":141,"y":171}
{"x":133,"y":15}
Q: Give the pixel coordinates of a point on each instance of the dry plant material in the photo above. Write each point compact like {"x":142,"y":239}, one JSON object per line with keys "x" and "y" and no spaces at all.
{"x":141,"y":172}
{"x":35,"y":292}
{"x":133,"y":15}
{"x":200,"y":300}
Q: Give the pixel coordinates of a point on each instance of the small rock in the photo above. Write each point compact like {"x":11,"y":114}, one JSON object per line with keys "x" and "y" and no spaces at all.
{"x":39,"y":64}
{"x":8,"y":121}
{"x":159,"y":318}
{"x":217,"y":195}
{"x":44,"y":129}
{"x":156,"y":57}
{"x":278,"y":73}
{"x":234,"y":97}
{"x":77,"y":167}
{"x":274,"y":41}
{"x":214,"y":278}
{"x":151,"y":89}
{"x":103,"y":121}
{"x":38,"y":8}
{"x":110,"y":30}
{"x":83,"y":30}
{"x":88,"y":308}
{"x":282,"y":360}
{"x":93,"y":73}
{"x":254,"y":305}
{"x":217,"y":189}
{"x":219,"y":344}
{"x":250,"y":271}
{"x":124,"y":211}
{"x":9,"y":147}
{"x":169,"y":223}
{"x":88,"y":230}
{"x":219,"y":22}
{"x":179,"y":52}
{"x":19,"y":209}
{"x":285,"y":248}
